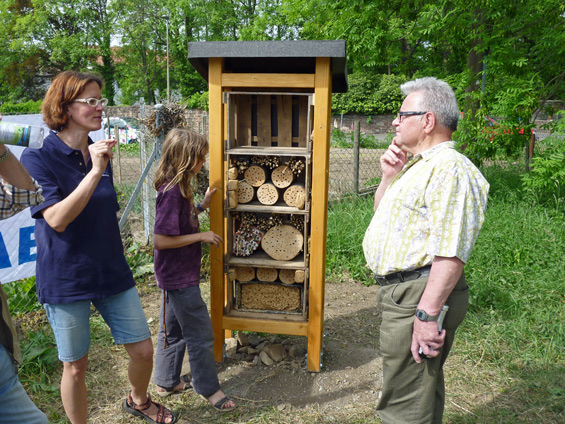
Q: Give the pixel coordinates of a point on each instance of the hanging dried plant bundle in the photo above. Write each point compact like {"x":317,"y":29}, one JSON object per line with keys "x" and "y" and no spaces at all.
{"x":171,"y":115}
{"x":270,"y":162}
{"x":297,"y":165}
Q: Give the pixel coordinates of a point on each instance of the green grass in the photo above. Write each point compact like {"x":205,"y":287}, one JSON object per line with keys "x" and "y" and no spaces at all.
{"x":511,"y":345}
{"x":507,"y":365}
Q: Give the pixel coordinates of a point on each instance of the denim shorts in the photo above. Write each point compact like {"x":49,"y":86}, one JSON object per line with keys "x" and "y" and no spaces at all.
{"x":70,"y":322}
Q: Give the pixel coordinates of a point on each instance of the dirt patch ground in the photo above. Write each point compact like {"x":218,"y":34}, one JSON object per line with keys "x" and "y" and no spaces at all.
{"x":345,"y":391}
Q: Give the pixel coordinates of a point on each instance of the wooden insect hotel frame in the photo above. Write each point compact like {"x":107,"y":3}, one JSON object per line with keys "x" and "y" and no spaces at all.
{"x":269,"y":117}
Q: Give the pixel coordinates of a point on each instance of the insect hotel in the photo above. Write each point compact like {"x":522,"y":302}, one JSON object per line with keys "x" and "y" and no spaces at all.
{"x":269,"y":119}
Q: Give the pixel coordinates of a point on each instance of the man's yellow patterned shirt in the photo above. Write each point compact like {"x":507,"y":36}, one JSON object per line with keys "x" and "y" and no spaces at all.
{"x":434,"y":207}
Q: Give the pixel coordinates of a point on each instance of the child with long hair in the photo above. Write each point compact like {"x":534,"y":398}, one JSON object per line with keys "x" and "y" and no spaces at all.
{"x":185,"y":323}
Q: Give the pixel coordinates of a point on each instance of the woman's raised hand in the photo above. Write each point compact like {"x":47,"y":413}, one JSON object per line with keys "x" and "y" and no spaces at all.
{"x":100,"y":153}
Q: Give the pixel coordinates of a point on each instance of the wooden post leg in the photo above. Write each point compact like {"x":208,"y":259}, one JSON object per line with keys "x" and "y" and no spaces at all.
{"x":216,"y":155}
{"x":320,"y":177}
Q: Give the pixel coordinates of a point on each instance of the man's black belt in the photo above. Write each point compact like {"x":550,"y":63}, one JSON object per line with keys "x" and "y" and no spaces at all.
{"x":402,"y":276}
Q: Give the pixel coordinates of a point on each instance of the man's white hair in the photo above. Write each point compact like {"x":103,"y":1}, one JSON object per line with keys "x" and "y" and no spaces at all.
{"x":437,"y":97}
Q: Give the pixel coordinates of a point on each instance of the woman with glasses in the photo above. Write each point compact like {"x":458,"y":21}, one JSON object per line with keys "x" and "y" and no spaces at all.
{"x":80,"y":259}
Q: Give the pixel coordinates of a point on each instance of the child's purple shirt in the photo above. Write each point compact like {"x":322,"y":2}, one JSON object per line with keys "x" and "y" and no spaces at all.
{"x":174,"y":215}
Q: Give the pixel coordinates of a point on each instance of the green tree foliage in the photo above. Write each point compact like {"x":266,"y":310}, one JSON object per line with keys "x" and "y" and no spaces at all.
{"x":504,"y":59}
{"x":370,"y":94}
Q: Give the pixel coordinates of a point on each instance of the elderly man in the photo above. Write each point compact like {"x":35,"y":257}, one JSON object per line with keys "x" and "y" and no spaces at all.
{"x":429,"y":209}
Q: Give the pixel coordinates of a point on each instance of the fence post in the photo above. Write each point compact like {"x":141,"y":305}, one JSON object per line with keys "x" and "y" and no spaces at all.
{"x":118,"y":160}
{"x":145,"y":197}
{"x":356,"y":133}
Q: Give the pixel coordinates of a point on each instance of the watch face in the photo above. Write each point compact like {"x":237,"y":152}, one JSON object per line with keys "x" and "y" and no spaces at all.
{"x":421,"y":315}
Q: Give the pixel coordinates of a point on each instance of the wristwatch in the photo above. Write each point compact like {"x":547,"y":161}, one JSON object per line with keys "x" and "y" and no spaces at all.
{"x":423,"y":316}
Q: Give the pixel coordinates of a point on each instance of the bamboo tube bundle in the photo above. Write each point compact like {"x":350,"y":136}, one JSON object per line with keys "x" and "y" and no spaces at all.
{"x":267,"y":275}
{"x":245,"y":273}
{"x":265,"y":223}
{"x":287,"y":276}
{"x":270,"y":162}
{"x":295,"y":196}
{"x":268,"y":194}
{"x":297,"y":221}
{"x":282,"y":176}
{"x":241,"y":164}
{"x":245,"y":192}
{"x":296,"y":165}
{"x":283,"y":242}
{"x":255,"y":175}
{"x":246,"y":240}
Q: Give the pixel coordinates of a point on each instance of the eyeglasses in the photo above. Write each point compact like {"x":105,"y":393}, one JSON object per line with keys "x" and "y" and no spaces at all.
{"x":92,"y":101}
{"x":402,"y":114}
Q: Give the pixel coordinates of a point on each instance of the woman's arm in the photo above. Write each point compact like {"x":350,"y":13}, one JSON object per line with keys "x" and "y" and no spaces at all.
{"x":61,"y":214}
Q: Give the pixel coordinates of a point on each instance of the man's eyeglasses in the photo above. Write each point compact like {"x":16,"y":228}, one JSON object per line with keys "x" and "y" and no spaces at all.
{"x":403,"y":114}
{"x":92,"y":101}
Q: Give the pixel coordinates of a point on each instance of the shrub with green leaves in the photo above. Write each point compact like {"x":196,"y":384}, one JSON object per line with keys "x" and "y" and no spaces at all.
{"x":370,"y":94}
{"x":10,"y":108}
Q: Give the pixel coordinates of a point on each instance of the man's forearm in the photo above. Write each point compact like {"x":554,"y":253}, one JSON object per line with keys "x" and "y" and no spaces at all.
{"x":444,"y":275}
{"x":14,"y":173}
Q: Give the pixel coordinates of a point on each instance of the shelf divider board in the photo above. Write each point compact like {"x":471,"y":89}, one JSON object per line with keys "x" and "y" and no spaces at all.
{"x":284,"y":115}
{"x":276,"y":326}
{"x":303,"y":128}
{"x":264,"y":120}
{"x":243,"y":110}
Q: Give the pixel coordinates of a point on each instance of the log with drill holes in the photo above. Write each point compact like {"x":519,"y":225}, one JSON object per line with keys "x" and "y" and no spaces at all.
{"x":271,"y":182}
{"x":261,"y":183}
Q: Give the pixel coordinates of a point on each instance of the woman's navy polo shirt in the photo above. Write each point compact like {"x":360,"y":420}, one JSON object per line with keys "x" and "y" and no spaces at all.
{"x":86,"y":261}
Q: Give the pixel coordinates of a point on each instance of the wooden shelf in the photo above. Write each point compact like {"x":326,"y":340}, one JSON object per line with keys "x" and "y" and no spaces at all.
{"x":269,"y":151}
{"x":280,"y":207}
{"x":261,"y":259}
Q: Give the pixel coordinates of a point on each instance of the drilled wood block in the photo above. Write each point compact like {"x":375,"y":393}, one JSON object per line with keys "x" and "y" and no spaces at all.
{"x":255,"y":175}
{"x":295,"y":196}
{"x":267,"y":274}
{"x":245,"y":273}
{"x":287,"y":276}
{"x":245,"y":192}
{"x":267,"y":194}
{"x":283,"y":242}
{"x":282,"y":176}
{"x":270,"y":297}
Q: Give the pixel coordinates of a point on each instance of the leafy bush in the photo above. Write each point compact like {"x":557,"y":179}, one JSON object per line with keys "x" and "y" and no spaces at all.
{"x":22,"y":296}
{"x":480,"y":140}
{"x":30,"y":106}
{"x":370,"y":94}
{"x":545,"y":183}
{"x":198,"y":101}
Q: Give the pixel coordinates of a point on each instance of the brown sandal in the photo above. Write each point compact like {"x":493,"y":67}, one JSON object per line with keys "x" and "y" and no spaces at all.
{"x":137,"y":410}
